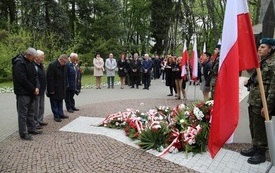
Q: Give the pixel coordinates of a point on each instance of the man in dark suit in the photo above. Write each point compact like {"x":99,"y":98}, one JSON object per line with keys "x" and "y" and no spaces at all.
{"x":72,"y":83}
{"x":26,"y":87}
{"x":56,"y":86}
{"x":135,"y":67}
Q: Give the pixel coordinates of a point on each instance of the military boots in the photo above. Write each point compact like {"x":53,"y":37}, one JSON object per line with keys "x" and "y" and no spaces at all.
{"x":258,"y":157}
{"x":256,"y":154}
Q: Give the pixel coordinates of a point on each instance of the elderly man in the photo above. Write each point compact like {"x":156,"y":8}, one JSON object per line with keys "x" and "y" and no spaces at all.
{"x":73,"y":71}
{"x":110,"y":65}
{"x":40,"y":99}
{"x":56,"y":85}
{"x":26,"y":87}
{"x":146,"y":71}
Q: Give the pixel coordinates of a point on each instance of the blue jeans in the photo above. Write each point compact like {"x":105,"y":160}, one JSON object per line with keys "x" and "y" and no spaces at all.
{"x":57,"y":108}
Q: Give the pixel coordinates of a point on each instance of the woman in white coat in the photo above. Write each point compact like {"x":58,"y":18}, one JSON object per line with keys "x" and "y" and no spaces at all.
{"x":98,"y":69}
{"x":110,"y":65}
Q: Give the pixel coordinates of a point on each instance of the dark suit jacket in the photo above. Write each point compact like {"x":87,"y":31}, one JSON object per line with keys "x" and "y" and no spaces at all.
{"x":135,"y":65}
{"x":56,"y":80}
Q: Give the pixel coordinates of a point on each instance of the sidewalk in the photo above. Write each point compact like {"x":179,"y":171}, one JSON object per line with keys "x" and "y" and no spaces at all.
{"x":59,"y":150}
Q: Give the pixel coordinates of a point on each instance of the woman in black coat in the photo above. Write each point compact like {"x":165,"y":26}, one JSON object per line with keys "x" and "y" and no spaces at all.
{"x":206,"y":75}
{"x":170,"y":77}
{"x":122,"y":70}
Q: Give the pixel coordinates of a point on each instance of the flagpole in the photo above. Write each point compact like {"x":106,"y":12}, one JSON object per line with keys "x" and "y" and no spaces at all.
{"x":260,"y":80}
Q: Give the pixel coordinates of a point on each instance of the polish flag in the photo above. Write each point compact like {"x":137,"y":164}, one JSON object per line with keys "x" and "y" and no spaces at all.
{"x":203,"y":50}
{"x":238,"y":52}
{"x":184,"y":61}
{"x":194,"y":61}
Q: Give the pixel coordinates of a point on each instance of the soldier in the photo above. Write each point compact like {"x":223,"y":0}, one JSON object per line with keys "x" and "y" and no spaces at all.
{"x":255,"y":109}
{"x":215,"y":70}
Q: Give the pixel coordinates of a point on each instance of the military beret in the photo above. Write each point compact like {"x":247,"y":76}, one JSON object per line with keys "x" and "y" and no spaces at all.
{"x":218,"y":46}
{"x":268,"y":41}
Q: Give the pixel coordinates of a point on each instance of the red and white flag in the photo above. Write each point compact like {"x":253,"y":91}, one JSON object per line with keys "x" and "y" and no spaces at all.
{"x":203,"y":50}
{"x":184,"y":61}
{"x":194,"y":61}
{"x":238,"y":52}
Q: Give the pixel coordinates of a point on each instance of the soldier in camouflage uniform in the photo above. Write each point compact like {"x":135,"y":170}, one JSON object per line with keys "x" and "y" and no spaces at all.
{"x":215,"y":70}
{"x":255,"y":110}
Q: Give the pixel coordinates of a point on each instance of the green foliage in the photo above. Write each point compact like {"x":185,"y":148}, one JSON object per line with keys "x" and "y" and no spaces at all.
{"x":10,"y":46}
{"x":154,"y":137}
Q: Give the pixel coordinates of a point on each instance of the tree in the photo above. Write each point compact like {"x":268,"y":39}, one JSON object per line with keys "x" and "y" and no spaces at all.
{"x":161,"y":13}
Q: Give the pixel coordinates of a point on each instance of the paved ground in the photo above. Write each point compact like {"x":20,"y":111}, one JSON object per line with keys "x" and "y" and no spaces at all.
{"x":61,"y":151}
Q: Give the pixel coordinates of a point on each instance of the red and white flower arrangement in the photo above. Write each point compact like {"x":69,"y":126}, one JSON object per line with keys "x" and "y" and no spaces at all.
{"x":183,"y":128}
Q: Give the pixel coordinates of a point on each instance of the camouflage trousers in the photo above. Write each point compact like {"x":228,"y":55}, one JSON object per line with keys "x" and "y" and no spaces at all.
{"x":257,"y":126}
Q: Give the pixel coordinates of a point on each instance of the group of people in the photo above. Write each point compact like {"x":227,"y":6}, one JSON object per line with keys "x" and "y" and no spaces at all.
{"x":131,"y":70}
{"x":62,"y":81}
{"x":31,"y":81}
{"x":172,"y":73}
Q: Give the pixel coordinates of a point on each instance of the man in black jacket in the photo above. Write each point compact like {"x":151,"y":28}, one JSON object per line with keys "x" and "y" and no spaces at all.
{"x":56,"y":86}
{"x":26,"y":87}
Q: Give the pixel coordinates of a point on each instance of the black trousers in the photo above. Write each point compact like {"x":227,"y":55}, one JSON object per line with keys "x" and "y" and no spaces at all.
{"x":146,"y":80}
{"x":135,"y":81}
{"x":25,"y":109}
{"x":57,"y":108}
{"x":69,"y":100}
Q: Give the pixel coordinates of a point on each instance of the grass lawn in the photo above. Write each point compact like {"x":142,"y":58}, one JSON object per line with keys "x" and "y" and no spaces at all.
{"x":87,"y":79}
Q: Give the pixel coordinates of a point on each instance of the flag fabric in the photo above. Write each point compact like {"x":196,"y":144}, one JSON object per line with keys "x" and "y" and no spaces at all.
{"x":203,"y":50}
{"x":238,"y":52}
{"x":184,"y":61}
{"x":194,"y":61}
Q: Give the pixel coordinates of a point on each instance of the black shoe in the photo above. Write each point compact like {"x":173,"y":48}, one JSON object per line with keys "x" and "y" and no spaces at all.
{"x":132,"y":87}
{"x":144,"y":88}
{"x":70,"y":110}
{"x":64,"y":117}
{"x":27,"y":137}
{"x":170,"y":95}
{"x":43,"y":124}
{"x":75,"y":109}
{"x":39,"y":127}
{"x":35,"y":132}
{"x":249,"y":152}
{"x":258,"y":157}
{"x":57,"y":119}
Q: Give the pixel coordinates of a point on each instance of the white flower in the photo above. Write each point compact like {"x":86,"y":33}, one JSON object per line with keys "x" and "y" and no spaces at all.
{"x":142,"y":114}
{"x":198,"y":113}
{"x":160,"y":117}
{"x":181,"y":106}
{"x":209,"y":102}
{"x":117,"y":124}
{"x":157,"y":126}
{"x":187,"y":113}
{"x":182,"y":120}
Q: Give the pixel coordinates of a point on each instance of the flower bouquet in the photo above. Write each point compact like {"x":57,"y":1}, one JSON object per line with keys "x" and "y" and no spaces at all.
{"x":185,"y":127}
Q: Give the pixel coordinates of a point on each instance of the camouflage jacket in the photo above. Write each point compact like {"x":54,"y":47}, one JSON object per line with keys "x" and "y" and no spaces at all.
{"x":214,"y":72}
{"x":268,"y":75}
